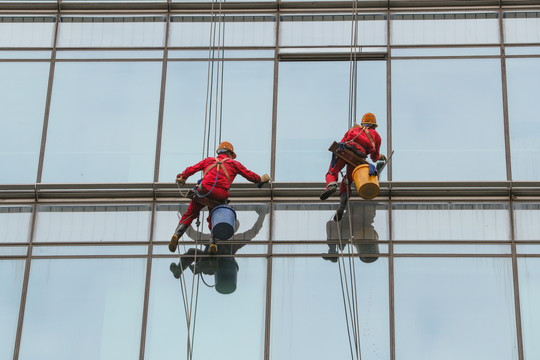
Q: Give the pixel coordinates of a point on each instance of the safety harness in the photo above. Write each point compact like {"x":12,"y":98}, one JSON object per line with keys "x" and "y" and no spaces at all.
{"x":219,"y":164}
{"x":349,"y":143}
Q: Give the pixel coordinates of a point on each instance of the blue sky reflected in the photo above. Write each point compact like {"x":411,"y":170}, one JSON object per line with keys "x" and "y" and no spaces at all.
{"x":447,"y":120}
{"x":23,"y":90}
{"x":103,"y":122}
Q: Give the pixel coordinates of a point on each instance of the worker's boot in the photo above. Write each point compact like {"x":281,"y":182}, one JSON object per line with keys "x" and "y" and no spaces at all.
{"x":175,"y":269}
{"x":343,"y":199}
{"x":331,"y":251}
{"x":178,"y":269}
{"x":330,"y":189}
{"x":212,"y":248}
{"x":180,"y":230}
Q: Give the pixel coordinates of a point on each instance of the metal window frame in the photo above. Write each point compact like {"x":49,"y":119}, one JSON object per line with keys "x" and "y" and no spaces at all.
{"x":156,"y":193}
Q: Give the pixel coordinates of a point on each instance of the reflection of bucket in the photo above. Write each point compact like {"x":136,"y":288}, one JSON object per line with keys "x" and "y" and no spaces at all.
{"x":368,"y":186}
{"x":223,"y":217}
{"x":226,"y":275}
{"x":372,"y":249}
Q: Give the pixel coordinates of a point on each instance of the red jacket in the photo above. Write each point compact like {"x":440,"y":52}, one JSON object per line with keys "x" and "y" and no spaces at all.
{"x":362,"y":142}
{"x":233,"y":168}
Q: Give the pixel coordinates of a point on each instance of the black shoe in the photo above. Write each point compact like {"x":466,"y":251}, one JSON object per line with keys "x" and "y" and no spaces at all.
{"x":343,"y":198}
{"x":331,"y":251}
{"x":175,"y":269}
{"x":330,"y":189}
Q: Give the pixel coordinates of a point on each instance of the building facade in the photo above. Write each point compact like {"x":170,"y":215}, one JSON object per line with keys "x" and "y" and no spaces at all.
{"x":103,"y":103}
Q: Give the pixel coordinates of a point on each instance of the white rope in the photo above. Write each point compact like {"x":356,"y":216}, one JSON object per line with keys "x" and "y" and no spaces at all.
{"x":350,"y":296}
{"x":190,"y":309}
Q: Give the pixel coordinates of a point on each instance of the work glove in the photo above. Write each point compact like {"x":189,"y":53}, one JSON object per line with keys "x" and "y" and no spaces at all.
{"x":264,"y":179}
{"x":372,"y":170}
{"x":382,"y":158}
{"x":180,"y":180}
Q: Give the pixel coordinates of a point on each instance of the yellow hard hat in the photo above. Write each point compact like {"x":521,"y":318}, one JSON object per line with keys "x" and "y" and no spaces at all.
{"x":369,"y":119}
{"x":226,"y":146}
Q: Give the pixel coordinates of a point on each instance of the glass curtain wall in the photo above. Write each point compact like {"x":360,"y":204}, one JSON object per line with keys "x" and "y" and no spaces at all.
{"x":136,"y":94}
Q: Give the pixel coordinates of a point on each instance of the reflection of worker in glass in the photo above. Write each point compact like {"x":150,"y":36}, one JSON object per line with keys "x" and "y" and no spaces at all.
{"x":364,"y":238}
{"x":224,"y":268}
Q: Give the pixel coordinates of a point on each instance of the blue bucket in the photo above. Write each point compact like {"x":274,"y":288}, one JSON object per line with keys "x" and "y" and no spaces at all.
{"x":223,"y":217}
{"x":226,"y":276}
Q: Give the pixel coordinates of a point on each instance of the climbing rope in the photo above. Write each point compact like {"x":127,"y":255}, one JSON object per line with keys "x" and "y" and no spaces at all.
{"x":353,"y":65}
{"x":216,"y":111}
{"x":348,"y":273}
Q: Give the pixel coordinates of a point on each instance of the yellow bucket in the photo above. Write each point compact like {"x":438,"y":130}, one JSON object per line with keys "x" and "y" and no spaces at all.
{"x":368,"y":186}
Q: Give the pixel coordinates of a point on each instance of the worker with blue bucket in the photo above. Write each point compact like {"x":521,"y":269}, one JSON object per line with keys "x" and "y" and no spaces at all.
{"x":213,"y":190}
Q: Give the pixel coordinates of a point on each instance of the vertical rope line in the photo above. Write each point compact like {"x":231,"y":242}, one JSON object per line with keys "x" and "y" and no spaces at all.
{"x":349,"y":112}
{"x":355,"y":63}
{"x":345,"y":307}
{"x":344,"y":275}
{"x":212,"y":60}
{"x":208,"y":80}
{"x":219,"y":82}
{"x":353,"y":275}
{"x":222,"y":76}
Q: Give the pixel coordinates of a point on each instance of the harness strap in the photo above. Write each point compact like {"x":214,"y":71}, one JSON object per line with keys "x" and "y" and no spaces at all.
{"x":347,"y":145}
{"x":219,"y":165}
{"x":370,"y":138}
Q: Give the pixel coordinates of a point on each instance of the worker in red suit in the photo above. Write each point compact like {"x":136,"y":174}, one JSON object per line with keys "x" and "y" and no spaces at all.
{"x":364,"y":140}
{"x":218,"y":175}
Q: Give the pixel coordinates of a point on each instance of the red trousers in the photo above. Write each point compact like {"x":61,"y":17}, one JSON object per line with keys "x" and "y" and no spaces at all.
{"x":195,"y":207}
{"x":333,"y":174}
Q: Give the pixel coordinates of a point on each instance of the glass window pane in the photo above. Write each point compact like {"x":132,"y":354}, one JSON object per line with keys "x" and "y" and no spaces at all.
{"x":526,"y":224}
{"x":529,"y":297}
{"x":23,"y":91}
{"x":247,"y":109}
{"x":452,"y":51}
{"x":111,"y":31}
{"x":15,"y":224}
{"x":528,"y":249}
{"x":233,"y":323}
{"x":450,"y":221}
{"x":77,"y":309}
{"x":312,"y":113}
{"x":521,"y":27}
{"x":522,"y":50}
{"x":88,"y":250}
{"x":25,"y":54}
{"x":308,"y":319}
{"x":452,"y":249}
{"x":11,"y":280}
{"x":103,"y":122}
{"x":88,"y":223}
{"x":523,"y":87}
{"x":13,"y":250}
{"x":26,"y":31}
{"x":327,"y":30}
{"x":447,"y":120}
{"x":454,"y":308}
{"x":111,"y":54}
{"x":444,"y":28}
{"x":314,"y":222}
{"x":236,"y":30}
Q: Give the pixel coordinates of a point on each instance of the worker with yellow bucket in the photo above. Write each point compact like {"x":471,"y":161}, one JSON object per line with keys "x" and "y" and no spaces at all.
{"x":359,"y":142}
